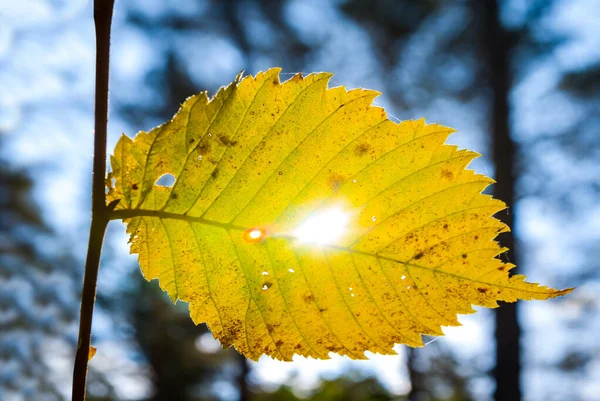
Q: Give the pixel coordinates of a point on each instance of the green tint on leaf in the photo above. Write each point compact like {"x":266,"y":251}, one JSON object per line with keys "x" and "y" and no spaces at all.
{"x":303,"y":221}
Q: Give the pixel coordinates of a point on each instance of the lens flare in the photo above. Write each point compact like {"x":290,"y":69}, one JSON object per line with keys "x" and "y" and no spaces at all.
{"x":254,"y":235}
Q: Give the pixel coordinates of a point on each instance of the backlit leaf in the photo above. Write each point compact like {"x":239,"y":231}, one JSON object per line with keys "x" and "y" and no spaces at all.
{"x":297,"y":219}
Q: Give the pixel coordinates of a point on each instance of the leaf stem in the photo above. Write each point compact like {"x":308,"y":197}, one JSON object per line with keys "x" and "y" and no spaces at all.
{"x":103,"y":10}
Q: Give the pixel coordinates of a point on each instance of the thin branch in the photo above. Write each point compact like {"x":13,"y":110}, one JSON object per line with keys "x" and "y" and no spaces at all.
{"x":103,"y":10}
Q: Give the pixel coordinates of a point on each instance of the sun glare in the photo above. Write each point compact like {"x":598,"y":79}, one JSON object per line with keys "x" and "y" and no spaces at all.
{"x":254,"y":235}
{"x":324,"y":227}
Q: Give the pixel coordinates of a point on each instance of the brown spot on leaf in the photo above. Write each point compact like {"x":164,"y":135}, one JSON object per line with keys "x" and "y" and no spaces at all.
{"x":215,"y":173}
{"x":464,"y":255}
{"x":482,"y":290}
{"x":226,"y":141}
{"x":279,"y":343}
{"x":203,"y":148}
{"x":308,"y":298}
{"x":134,"y":186}
{"x":446,"y":174}
{"x":235,"y":329}
{"x":335,"y":181}
{"x":362,"y":149}
{"x":446,"y":226}
{"x":419,"y":255}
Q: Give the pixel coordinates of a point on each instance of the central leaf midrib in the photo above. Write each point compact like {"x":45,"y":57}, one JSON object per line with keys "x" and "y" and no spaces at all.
{"x":130,"y":213}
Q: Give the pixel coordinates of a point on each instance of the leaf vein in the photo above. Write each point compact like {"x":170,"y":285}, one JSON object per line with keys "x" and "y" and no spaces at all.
{"x":340,"y":343}
{"x":287,"y":308}
{"x":287,"y":157}
{"x":396,"y":239}
{"x":395,"y":289}
{"x":250,"y":293}
{"x":205,"y":269}
{"x":337,"y":286}
{"x":242,"y":120}
{"x":359,"y":171}
{"x":190,"y":152}
{"x":366,"y":287}
{"x":284,"y":113}
{"x":175,"y":275}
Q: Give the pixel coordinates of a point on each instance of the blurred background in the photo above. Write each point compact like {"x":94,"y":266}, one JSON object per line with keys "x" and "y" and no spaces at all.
{"x":519,"y":79}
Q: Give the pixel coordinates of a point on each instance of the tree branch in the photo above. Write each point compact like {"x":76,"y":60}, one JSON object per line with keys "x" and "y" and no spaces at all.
{"x":103,"y":10}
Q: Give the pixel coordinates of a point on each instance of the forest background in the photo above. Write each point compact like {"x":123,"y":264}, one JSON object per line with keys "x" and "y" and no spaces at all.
{"x":520,"y":80}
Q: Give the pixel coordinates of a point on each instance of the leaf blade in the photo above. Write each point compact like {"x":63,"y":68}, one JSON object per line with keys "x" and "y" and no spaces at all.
{"x":419,"y":248}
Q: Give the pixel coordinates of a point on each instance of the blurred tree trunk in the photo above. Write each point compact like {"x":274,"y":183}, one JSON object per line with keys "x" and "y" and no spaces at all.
{"x":497,"y":46}
{"x":243,"y":384}
{"x":416,"y":387}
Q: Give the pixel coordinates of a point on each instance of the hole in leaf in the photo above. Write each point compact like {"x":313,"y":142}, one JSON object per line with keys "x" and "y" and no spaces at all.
{"x":165,"y":180}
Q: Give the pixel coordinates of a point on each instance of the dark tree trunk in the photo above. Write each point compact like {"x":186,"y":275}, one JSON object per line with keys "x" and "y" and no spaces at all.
{"x":497,"y":44}
{"x":242,"y":379}
{"x":414,"y":376}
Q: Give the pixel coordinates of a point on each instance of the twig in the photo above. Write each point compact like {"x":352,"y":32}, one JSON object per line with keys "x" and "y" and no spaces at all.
{"x":103,"y":10}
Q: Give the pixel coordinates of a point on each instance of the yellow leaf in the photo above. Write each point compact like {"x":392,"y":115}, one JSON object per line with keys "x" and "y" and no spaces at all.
{"x":91,"y":353}
{"x":303,"y":221}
